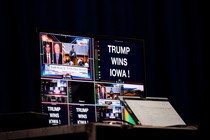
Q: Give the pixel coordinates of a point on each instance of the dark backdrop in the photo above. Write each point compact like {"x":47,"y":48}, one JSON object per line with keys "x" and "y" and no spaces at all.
{"x":173,"y":31}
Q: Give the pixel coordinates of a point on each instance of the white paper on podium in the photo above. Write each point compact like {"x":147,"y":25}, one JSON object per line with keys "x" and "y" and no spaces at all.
{"x":155,"y":113}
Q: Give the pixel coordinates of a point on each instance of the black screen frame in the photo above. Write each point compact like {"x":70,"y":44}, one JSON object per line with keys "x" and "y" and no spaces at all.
{"x":93,"y":38}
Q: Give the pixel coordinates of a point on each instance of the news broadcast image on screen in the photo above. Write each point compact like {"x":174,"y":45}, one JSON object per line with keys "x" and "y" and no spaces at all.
{"x":66,"y":57}
{"x":82,"y":77}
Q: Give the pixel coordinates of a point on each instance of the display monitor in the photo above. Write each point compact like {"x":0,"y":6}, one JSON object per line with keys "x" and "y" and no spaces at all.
{"x":120,"y":60}
{"x":66,"y":56}
{"x":83,"y":76}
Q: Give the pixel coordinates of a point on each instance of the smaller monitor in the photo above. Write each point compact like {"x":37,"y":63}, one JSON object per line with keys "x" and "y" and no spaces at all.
{"x":109,"y":114}
{"x":64,"y":56}
{"x":120,"y":60}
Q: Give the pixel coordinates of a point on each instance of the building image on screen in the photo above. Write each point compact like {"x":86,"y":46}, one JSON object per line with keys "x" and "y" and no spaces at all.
{"x":109,"y":113}
{"x":54,"y":90}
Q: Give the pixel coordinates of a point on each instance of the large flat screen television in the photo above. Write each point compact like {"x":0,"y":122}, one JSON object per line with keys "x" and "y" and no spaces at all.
{"x":82,"y":76}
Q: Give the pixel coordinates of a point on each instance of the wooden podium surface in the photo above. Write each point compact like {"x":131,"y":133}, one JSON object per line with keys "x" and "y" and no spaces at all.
{"x":98,"y":131}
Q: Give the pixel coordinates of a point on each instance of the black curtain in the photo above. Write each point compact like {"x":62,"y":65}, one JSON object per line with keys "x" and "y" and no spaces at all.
{"x":173,"y":30}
